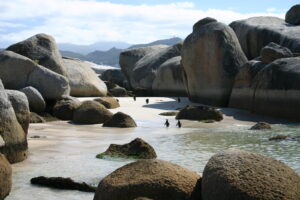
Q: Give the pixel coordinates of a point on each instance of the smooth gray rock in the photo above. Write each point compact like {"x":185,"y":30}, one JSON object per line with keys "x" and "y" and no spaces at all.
{"x":130,"y":57}
{"x":202,"y":22}
{"x":35,"y":99}
{"x":211,"y":57}
{"x":20,"y":104}
{"x":17,"y":72}
{"x":42,"y":49}
{"x":273,"y":52}
{"x":293,"y":15}
{"x":83,"y":81}
{"x":15,"y":148}
{"x":242,"y":94}
{"x":256,"y":32}
{"x":170,"y":79}
{"x":114,"y":76}
{"x":236,"y":174}
{"x":145,"y":69}
{"x":5,"y":177}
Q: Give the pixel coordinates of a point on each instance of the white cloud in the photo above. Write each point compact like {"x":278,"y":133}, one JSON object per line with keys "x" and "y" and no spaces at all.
{"x":88,"y":21}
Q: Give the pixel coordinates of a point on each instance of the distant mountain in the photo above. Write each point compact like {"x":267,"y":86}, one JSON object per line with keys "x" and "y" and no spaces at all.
{"x":110,"y":56}
{"x":170,"y":41}
{"x":99,"y":46}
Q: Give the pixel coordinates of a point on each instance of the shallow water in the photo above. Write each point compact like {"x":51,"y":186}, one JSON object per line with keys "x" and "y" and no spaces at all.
{"x":69,"y":151}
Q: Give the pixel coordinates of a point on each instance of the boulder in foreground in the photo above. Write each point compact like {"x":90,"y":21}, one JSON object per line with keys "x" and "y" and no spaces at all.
{"x":237,"y":174}
{"x":200,"y":113}
{"x":154,"y":179}
{"x":137,"y":149}
{"x":120,"y":120}
{"x":5,"y":177}
{"x":261,"y":126}
{"x":293,"y":15}
{"x":91,"y":112}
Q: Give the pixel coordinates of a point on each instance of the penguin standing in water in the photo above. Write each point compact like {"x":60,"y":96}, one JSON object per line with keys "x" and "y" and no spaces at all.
{"x":147,"y":101}
{"x":179,"y":100}
{"x":167,"y":124}
{"x":178,"y":124}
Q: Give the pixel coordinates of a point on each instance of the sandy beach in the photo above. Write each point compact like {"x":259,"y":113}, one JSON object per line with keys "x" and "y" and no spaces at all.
{"x":69,"y":150}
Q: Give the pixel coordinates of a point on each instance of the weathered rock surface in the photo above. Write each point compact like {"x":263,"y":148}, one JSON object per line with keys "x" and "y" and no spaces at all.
{"x":273,"y":52}
{"x":64,"y":109}
{"x":200,"y":113}
{"x":17,"y":72}
{"x":261,"y":126}
{"x":242,"y":93}
{"x":138,"y":149}
{"x":211,"y":57}
{"x":35,"y":99}
{"x":108,"y":102}
{"x":15,"y":146}
{"x":145,"y":69}
{"x":256,"y":32}
{"x":202,"y":22}
{"x":5,"y":177}
{"x":83,"y":80}
{"x":114,"y":76}
{"x":20,"y":104}
{"x":277,"y":89}
{"x":41,"y":48}
{"x":120,"y":120}
{"x":130,"y":57}
{"x":154,"y":179}
{"x":170,"y":79}
{"x":35,"y":118}
{"x":62,"y":183}
{"x":236,"y":175}
{"x":293,"y":15}
{"x":91,"y":112}
{"x":118,"y":92}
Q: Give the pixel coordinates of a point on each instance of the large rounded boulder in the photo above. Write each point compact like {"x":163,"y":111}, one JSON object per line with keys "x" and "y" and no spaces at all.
{"x":83,"y":81}
{"x":108,"y":102}
{"x":154,"y":179}
{"x":256,"y":32}
{"x":145,"y":69}
{"x":273,"y":52}
{"x":237,"y":174}
{"x":170,"y":79}
{"x":293,"y":15}
{"x":14,"y":139}
{"x":120,"y":120}
{"x":211,"y":57}
{"x":36,"y":101}
{"x":20,"y":104}
{"x":43,"y":50}
{"x":5,"y":177}
{"x":91,"y":112}
{"x":17,"y":72}
{"x":65,"y":108}
{"x":114,"y":76}
{"x":130,"y":57}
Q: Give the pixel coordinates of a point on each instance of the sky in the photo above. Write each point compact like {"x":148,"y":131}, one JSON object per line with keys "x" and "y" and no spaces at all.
{"x":133,"y":21}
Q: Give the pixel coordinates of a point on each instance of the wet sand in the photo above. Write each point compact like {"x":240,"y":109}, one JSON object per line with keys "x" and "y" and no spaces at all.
{"x":69,"y":150}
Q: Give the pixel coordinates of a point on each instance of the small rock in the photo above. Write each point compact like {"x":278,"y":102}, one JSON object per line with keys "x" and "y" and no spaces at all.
{"x":91,"y":112}
{"x":108,"y":102}
{"x":168,"y":113}
{"x":261,"y":126}
{"x":279,"y":137}
{"x":137,"y":149}
{"x":200,"y":113}
{"x":118,"y":92}
{"x":293,"y":15}
{"x":65,"y":108}
{"x":62,"y":183}
{"x":120,"y":120}
{"x":273,"y":52}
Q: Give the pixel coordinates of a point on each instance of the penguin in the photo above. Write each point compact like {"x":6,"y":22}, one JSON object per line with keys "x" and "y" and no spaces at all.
{"x":178,"y":124}
{"x":167,"y":124}
{"x":147,"y":101}
{"x":134,"y":98}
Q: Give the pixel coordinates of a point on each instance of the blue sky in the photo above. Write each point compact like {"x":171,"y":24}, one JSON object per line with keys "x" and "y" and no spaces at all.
{"x":132,"y":21}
